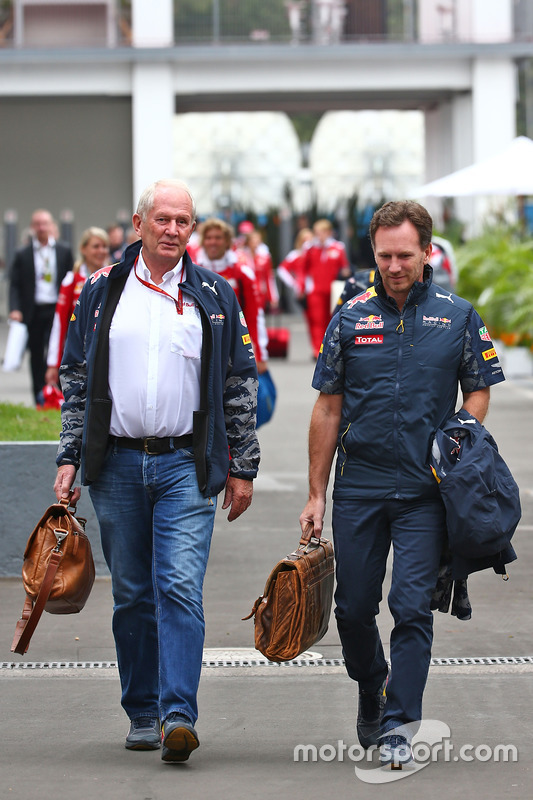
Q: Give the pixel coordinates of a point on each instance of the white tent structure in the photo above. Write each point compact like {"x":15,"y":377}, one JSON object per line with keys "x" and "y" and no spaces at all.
{"x":509,"y":172}
{"x":236,"y":160}
{"x":373,"y":154}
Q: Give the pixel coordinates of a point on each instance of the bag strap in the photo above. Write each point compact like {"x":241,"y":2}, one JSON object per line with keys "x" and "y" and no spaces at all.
{"x":31,"y":614}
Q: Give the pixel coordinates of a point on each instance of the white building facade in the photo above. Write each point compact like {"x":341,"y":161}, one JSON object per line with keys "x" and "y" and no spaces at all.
{"x":85,"y":128}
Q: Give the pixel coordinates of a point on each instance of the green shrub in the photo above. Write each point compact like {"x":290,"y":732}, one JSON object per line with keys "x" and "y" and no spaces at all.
{"x":496,"y":275}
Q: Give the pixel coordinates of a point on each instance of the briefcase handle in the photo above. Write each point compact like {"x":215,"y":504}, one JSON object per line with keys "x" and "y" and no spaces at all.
{"x":307,"y":538}
{"x":65,"y":501}
{"x":306,"y":545}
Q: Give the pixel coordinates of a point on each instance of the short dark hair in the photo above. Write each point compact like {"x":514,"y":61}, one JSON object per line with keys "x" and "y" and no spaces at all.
{"x":394,"y":213}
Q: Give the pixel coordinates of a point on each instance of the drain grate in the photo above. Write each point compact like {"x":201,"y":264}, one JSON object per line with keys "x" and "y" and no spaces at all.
{"x":484,"y":661}
{"x":263,"y":662}
{"x":58,"y":664}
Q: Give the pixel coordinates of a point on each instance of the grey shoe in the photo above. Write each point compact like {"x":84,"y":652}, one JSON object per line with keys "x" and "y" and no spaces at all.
{"x":369,"y":714}
{"x":144,"y":734}
{"x":179,"y":738}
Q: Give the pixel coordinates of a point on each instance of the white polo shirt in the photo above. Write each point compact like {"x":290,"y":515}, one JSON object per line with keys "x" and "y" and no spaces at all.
{"x":154,"y":358}
{"x":44,"y":259}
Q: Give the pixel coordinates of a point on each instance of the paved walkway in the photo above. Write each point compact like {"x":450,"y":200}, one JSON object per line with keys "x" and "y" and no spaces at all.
{"x":64,"y":727}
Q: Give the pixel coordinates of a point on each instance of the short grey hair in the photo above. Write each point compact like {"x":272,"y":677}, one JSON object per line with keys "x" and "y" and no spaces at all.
{"x":147,"y":198}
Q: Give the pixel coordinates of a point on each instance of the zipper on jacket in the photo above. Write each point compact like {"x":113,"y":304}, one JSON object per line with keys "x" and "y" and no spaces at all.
{"x":206,"y":376}
{"x":343,"y":447}
{"x":400,"y":329}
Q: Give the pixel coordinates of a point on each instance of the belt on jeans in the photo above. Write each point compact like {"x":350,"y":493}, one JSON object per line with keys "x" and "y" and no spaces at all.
{"x":154,"y":446}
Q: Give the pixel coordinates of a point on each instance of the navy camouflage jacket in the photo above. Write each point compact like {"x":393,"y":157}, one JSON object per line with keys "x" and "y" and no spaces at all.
{"x":399,"y":374}
{"x":225,"y":439}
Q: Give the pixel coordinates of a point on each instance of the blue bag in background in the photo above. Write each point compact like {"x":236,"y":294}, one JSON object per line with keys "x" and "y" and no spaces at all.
{"x":266,"y":398}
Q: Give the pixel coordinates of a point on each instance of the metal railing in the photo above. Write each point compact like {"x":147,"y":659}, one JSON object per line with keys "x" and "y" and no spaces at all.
{"x":213,"y":22}
{"x":224,"y":22}
{"x":293,"y":21}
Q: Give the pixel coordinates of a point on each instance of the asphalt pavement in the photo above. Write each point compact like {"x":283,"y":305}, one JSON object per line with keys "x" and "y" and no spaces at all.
{"x":64,"y":728}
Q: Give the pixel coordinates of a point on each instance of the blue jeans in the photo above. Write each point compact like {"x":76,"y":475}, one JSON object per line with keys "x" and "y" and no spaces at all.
{"x":156,"y":532}
{"x":363,"y":532}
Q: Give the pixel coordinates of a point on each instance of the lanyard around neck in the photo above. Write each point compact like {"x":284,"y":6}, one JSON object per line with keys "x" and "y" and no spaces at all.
{"x":44,"y":268}
{"x":178,"y":303}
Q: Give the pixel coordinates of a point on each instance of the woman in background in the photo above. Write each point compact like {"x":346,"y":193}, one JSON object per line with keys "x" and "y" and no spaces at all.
{"x":291,"y":273}
{"x":260,"y":260}
{"x":94,"y":253}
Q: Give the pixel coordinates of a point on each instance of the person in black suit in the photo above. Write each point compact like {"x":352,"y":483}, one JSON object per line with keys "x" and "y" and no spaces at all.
{"x":36,"y":275}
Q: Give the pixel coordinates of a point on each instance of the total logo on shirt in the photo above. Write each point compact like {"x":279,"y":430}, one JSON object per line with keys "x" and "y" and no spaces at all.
{"x":370,"y":339}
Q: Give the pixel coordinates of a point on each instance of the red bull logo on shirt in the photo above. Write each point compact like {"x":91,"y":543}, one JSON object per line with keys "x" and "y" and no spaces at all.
{"x":100,"y":273}
{"x":372,"y":322}
{"x":436,"y":322}
{"x":362,"y":298}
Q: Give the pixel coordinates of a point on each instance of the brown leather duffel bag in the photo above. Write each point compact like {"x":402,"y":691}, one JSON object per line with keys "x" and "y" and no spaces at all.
{"x":293,"y":612}
{"x":58,"y":570}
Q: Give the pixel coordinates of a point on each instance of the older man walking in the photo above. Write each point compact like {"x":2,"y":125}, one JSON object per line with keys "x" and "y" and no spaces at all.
{"x":160,"y":399}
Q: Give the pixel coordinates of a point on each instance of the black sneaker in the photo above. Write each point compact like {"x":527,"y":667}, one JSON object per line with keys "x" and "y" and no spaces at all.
{"x":179,"y":738}
{"x":395,"y":752}
{"x":144,"y":734}
{"x":369,"y":713}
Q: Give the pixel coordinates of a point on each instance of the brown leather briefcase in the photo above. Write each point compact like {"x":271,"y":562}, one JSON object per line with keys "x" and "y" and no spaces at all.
{"x":58,"y":570}
{"x":293,"y":612}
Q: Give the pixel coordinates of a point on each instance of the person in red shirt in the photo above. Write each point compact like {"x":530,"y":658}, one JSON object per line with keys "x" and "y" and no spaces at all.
{"x":290,"y":271}
{"x":216,"y":254}
{"x":193,"y":245}
{"x":260,"y":259}
{"x":94,"y":252}
{"x":324,"y":260}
